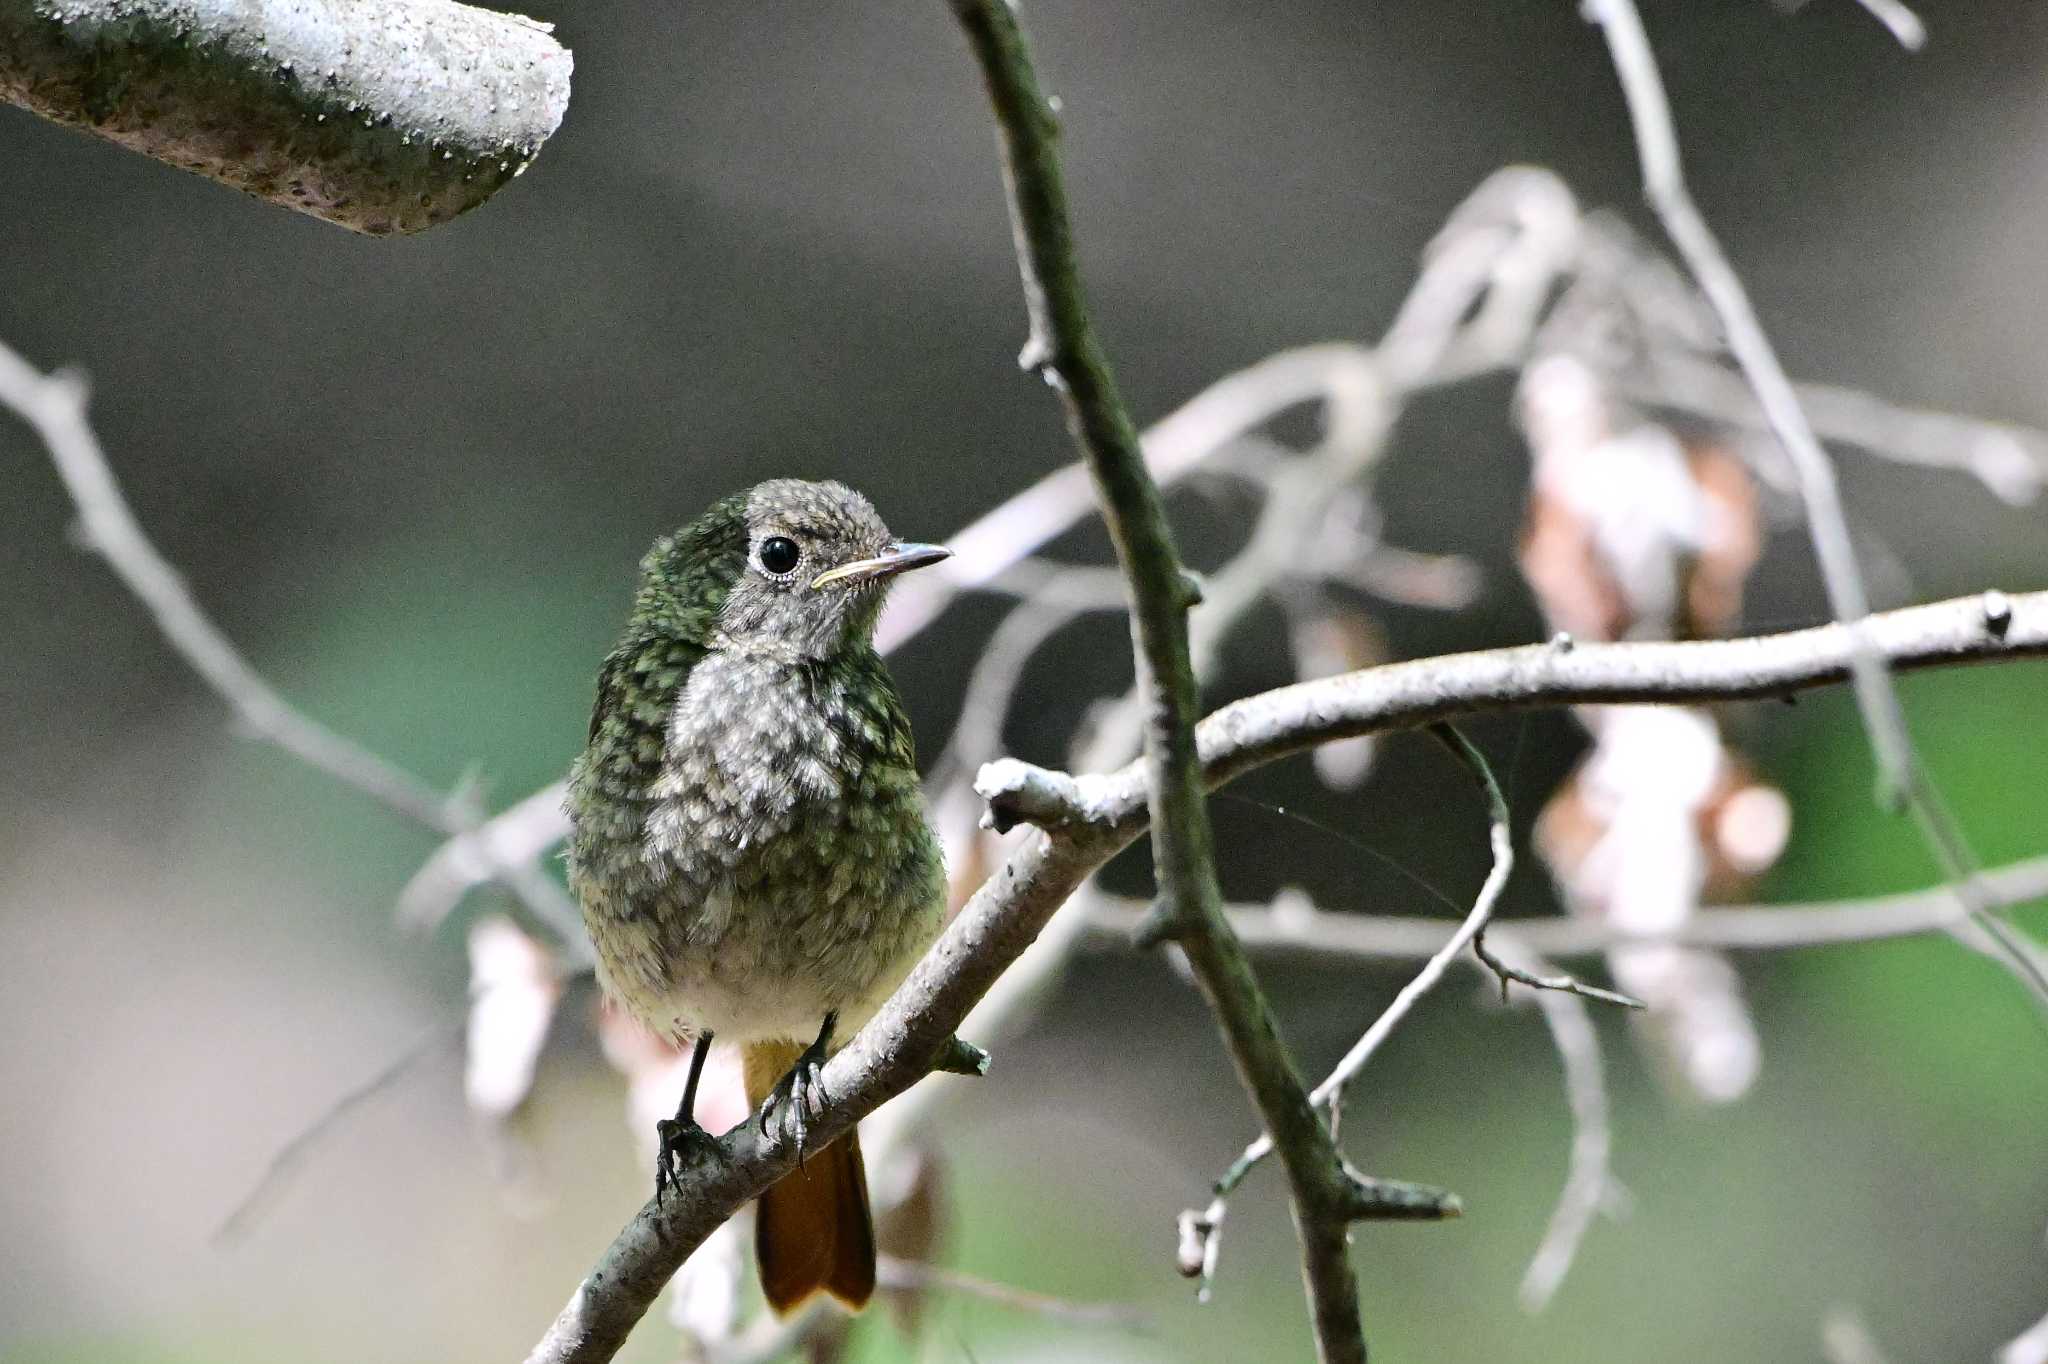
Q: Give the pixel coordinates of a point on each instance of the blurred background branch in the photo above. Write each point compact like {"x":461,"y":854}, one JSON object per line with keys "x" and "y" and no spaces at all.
{"x":1902,"y":778}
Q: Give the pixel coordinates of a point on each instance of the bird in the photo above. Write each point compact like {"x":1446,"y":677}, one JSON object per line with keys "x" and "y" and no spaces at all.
{"x":750,"y":844}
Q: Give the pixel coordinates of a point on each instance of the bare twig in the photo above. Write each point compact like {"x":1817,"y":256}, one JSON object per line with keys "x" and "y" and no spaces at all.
{"x":508,"y":847}
{"x":1757,"y":928}
{"x":988,"y":548}
{"x":1563,"y":984}
{"x":912,"y":1275}
{"x":1590,"y":1186}
{"x":978,"y":734}
{"x":1062,"y":349}
{"x":293,"y":1153}
{"x":54,"y":407}
{"x":1330,"y":1093}
{"x":1902,"y":778}
{"x":2010,"y":461}
{"x":1500,"y":823}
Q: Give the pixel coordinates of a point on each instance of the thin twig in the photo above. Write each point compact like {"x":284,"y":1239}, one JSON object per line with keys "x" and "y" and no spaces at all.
{"x":289,"y":1157}
{"x":1755,"y":928}
{"x":1590,"y":1186}
{"x":2011,"y":461}
{"x":916,"y":1276}
{"x":1062,"y":349}
{"x":1329,"y":1093}
{"x":999,"y":671}
{"x":1497,"y":813}
{"x":1902,"y":778}
{"x":54,"y":406}
{"x":988,"y":548}
{"x":1562,"y":984}
{"x":509,"y":845}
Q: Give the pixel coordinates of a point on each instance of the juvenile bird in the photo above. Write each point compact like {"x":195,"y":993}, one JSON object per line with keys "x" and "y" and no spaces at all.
{"x":750,"y":843}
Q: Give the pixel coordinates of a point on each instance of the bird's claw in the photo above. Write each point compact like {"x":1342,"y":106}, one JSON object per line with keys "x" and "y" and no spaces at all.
{"x":683,"y":1142}
{"x":796,"y":1099}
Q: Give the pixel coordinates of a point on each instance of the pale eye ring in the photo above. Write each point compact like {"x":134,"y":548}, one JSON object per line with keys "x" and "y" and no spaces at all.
{"x":778,"y":555}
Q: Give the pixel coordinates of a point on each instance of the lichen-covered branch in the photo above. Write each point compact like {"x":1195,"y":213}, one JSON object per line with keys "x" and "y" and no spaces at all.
{"x":383,"y":116}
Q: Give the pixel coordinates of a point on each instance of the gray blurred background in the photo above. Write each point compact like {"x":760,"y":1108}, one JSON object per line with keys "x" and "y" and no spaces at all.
{"x":412,"y":479}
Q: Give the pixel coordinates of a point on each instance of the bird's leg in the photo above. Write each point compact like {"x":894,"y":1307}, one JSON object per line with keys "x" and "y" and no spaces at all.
{"x":681,"y":1133}
{"x":801,"y":1093}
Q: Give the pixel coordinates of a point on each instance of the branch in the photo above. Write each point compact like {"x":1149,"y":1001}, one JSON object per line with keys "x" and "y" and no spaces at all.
{"x":1590,"y":1185}
{"x":897,"y":1275}
{"x":54,"y":407}
{"x":1500,"y":826}
{"x":2010,"y":461}
{"x":379,"y":115}
{"x":1063,"y":350}
{"x":1902,"y":778}
{"x":1258,"y":729}
{"x":1006,"y":913}
{"x":1470,"y":932}
{"x":1755,"y":928}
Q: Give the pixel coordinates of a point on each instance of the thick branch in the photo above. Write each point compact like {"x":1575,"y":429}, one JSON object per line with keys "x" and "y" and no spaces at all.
{"x":1062,"y":348}
{"x":380,"y":115}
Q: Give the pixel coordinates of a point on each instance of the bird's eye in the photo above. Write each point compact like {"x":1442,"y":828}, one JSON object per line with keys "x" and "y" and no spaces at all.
{"x":779,"y":555}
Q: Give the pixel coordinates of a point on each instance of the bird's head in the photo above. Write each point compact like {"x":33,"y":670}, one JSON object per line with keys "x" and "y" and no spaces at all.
{"x":787,"y":567}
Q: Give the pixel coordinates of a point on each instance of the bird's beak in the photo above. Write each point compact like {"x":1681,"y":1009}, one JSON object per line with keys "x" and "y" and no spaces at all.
{"x":900,"y":557}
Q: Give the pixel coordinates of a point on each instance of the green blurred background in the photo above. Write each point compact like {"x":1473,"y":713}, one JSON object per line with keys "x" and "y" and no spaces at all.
{"x":412,"y":479}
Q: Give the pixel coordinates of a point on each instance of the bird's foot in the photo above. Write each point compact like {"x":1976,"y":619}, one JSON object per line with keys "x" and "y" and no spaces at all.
{"x":799,"y":1097}
{"x":683,"y":1143}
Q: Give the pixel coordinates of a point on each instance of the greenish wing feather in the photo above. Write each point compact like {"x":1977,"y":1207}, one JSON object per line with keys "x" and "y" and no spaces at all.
{"x":629,"y":721}
{"x":684,"y":581}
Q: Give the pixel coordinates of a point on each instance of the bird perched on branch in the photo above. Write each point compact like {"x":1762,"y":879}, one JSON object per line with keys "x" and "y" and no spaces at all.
{"x":750,"y":848}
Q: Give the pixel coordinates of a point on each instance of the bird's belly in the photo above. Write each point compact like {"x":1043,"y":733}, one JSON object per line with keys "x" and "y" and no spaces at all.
{"x":779,"y":867}
{"x":749,"y":968}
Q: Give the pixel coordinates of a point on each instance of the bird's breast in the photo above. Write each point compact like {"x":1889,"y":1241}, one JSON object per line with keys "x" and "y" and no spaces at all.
{"x":783,"y":866}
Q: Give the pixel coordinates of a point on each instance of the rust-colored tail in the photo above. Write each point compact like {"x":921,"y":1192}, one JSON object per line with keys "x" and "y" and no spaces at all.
{"x":813,"y":1230}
